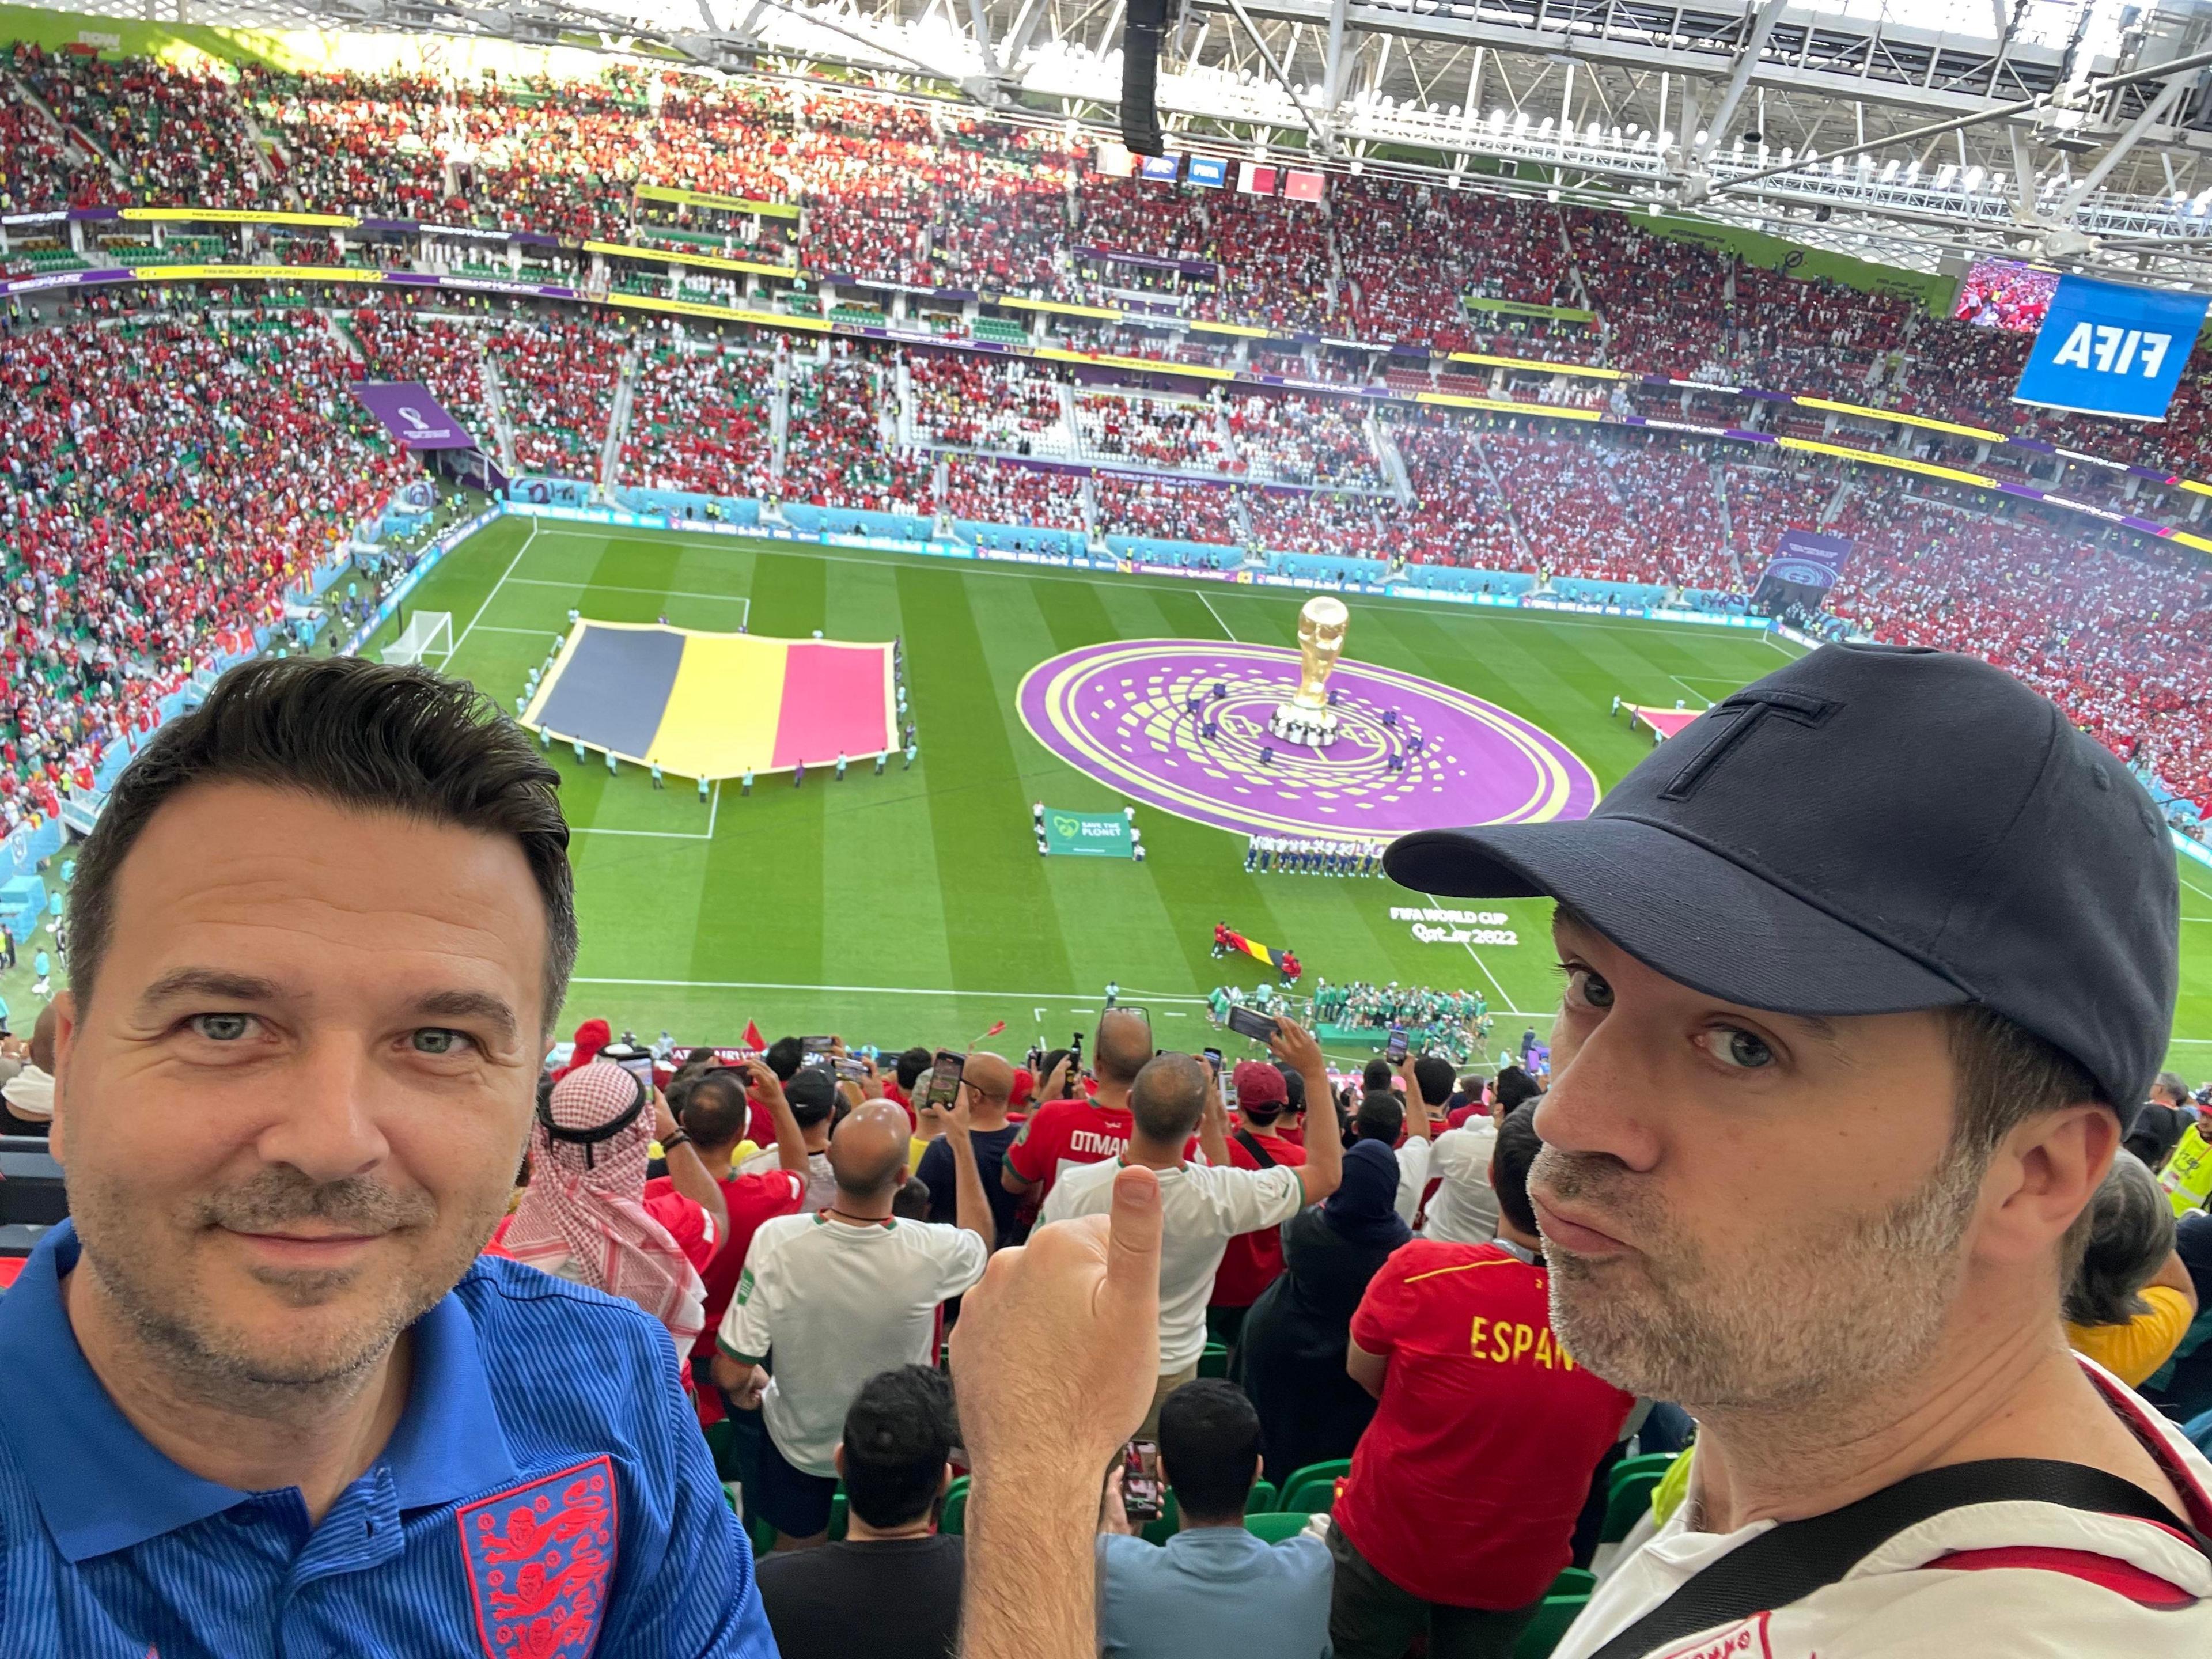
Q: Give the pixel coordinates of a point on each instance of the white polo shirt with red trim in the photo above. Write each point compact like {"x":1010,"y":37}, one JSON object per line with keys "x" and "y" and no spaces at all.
{"x":2014,"y":1578}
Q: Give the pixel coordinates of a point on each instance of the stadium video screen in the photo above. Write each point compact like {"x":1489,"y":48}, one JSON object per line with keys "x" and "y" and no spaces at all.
{"x":2005,"y":294}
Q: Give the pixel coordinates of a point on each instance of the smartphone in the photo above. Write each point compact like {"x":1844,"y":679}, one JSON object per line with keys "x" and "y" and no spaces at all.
{"x":851,"y":1070}
{"x":1141,"y":1480}
{"x":1075,"y":1054}
{"x":942,"y":1086}
{"x":1213,"y":1058}
{"x":634,"y":1060}
{"x":817,"y":1045}
{"x":1246,"y":1022}
{"x":1395,"y":1050}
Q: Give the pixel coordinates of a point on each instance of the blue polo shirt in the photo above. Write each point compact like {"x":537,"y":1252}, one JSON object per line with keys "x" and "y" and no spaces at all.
{"x":546,"y":1495}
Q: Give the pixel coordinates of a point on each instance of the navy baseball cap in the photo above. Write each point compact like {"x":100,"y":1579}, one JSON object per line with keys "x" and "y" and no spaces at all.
{"x":1871,"y":830}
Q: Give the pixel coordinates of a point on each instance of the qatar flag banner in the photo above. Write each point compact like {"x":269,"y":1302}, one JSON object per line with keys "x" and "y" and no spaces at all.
{"x":412,"y":415}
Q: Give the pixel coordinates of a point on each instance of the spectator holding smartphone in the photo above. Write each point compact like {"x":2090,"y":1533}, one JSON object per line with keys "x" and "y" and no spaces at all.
{"x":1215,"y":1590}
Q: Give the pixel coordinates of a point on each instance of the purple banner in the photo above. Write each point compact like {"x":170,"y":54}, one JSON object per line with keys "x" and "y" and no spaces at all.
{"x":1807,"y":559}
{"x":411,"y":414}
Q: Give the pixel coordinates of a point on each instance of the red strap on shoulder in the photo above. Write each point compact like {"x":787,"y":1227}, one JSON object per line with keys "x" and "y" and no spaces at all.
{"x":2138,"y":1584}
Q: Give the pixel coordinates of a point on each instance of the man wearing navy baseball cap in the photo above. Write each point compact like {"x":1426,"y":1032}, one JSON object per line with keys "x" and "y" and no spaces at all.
{"x":1865,"y":973}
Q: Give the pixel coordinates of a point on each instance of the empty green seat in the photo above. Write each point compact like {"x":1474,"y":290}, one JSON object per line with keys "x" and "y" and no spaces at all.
{"x":1542,"y":1633}
{"x":1274,"y":1528}
{"x":1314,"y":1487}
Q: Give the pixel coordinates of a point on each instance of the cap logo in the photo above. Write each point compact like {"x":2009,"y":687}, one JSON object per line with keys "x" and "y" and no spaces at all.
{"x":1746,"y":711}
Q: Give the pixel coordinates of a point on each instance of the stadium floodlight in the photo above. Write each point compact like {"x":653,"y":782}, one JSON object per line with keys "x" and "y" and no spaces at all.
{"x":428,"y":634}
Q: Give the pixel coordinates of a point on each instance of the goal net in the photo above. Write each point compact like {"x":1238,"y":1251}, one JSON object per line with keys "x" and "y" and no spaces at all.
{"x":428,"y":634}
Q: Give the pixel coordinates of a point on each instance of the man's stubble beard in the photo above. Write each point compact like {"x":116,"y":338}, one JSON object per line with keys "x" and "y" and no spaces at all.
{"x":1812,"y":1312}
{"x":175,"y":1326}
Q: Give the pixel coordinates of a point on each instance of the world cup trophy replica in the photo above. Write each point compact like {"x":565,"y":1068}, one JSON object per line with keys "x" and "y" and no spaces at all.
{"x":1307,"y":718}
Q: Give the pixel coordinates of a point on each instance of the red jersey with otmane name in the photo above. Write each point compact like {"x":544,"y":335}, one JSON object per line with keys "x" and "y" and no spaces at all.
{"x":1062,"y":1134}
{"x":1466,"y":1487}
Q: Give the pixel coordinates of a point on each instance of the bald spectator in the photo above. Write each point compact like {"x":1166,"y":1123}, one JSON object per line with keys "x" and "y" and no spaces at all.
{"x":837,"y":1298}
{"x":1202,"y":1206}
{"x":989,"y":1084}
{"x":27,"y":1101}
{"x":1063,"y":1134}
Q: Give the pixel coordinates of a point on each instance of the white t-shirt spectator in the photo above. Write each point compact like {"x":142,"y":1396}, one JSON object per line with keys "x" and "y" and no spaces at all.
{"x":1412,"y":1176}
{"x":1202,"y":1209}
{"x":821,"y":1179}
{"x":1465,"y":1209}
{"x":836,"y":1304}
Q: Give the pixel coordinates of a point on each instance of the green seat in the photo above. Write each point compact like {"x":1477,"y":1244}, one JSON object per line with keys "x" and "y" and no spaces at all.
{"x":1170,"y":1521}
{"x":763,"y":1535}
{"x":1631,"y":1499}
{"x":722,"y":1444}
{"x":1261,"y":1500}
{"x":1629,"y":1467}
{"x":1542,"y":1633}
{"x":954,"y":1515}
{"x":1214,"y":1361}
{"x":1274,"y":1528}
{"x":837,"y":1512}
{"x":1314,"y":1487}
{"x":1573,"y":1581}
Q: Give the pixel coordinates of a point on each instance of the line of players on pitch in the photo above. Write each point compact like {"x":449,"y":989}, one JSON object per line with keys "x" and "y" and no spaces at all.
{"x":1305,"y":856}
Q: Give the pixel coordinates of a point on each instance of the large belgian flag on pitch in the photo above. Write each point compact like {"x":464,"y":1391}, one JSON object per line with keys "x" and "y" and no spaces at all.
{"x":717,"y":705}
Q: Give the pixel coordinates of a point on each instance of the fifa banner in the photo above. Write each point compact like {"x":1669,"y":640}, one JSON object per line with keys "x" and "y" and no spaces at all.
{"x":412,"y":415}
{"x":1088,"y":835}
{"x":2109,"y":348}
{"x":1804,"y":565}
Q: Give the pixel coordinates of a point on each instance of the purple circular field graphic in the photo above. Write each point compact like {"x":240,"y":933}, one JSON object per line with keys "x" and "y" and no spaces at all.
{"x":1134,"y":716}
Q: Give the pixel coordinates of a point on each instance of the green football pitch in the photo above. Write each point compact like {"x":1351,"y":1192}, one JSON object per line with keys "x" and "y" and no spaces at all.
{"x":913,"y":906}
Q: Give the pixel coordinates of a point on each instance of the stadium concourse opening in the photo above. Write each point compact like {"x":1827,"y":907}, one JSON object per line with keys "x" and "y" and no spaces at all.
{"x":712,"y":706}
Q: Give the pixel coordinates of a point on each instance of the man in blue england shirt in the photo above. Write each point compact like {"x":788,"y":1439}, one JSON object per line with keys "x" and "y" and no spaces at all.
{"x":271,"y":1401}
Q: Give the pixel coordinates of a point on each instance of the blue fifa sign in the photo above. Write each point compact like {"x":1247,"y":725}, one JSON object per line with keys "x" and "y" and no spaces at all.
{"x":2109,"y":348}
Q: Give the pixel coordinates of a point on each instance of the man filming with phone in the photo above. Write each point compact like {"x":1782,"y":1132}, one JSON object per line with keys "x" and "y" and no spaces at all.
{"x":1064,"y":1134}
{"x":1202,"y":1206}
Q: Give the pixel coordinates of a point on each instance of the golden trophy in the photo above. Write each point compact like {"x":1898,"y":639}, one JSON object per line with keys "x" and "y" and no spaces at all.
{"x":1307,"y":718}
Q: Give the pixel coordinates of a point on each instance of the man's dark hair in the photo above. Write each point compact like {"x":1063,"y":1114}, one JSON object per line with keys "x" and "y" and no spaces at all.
{"x":899,"y":1432}
{"x":715,"y":1111}
{"x":1121,"y":1046}
{"x":1382,"y":1115}
{"x":812,"y":1094}
{"x":784,"y":1056}
{"x":912,"y":1063}
{"x":1510,"y":1163}
{"x":1514,"y":1086}
{"x":1168,"y":1097}
{"x":1375,"y":1074}
{"x":376,"y":736}
{"x":1210,"y":1446}
{"x":1434,"y":1074}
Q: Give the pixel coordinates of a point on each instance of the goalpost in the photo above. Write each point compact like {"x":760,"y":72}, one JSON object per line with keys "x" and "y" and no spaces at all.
{"x":428,"y":634}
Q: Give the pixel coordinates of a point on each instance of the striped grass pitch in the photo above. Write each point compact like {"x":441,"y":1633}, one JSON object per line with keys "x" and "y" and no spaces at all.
{"x":913,"y":906}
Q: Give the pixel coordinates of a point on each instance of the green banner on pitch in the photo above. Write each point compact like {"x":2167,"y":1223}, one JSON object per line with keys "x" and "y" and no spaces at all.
{"x":1088,"y":835}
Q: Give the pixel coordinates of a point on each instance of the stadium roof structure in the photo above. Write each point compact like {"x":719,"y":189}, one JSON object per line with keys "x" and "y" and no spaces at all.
{"x":1910,"y":132}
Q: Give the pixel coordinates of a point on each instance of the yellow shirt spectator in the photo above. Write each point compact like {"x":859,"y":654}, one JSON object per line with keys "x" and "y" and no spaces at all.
{"x":2133,"y":1351}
